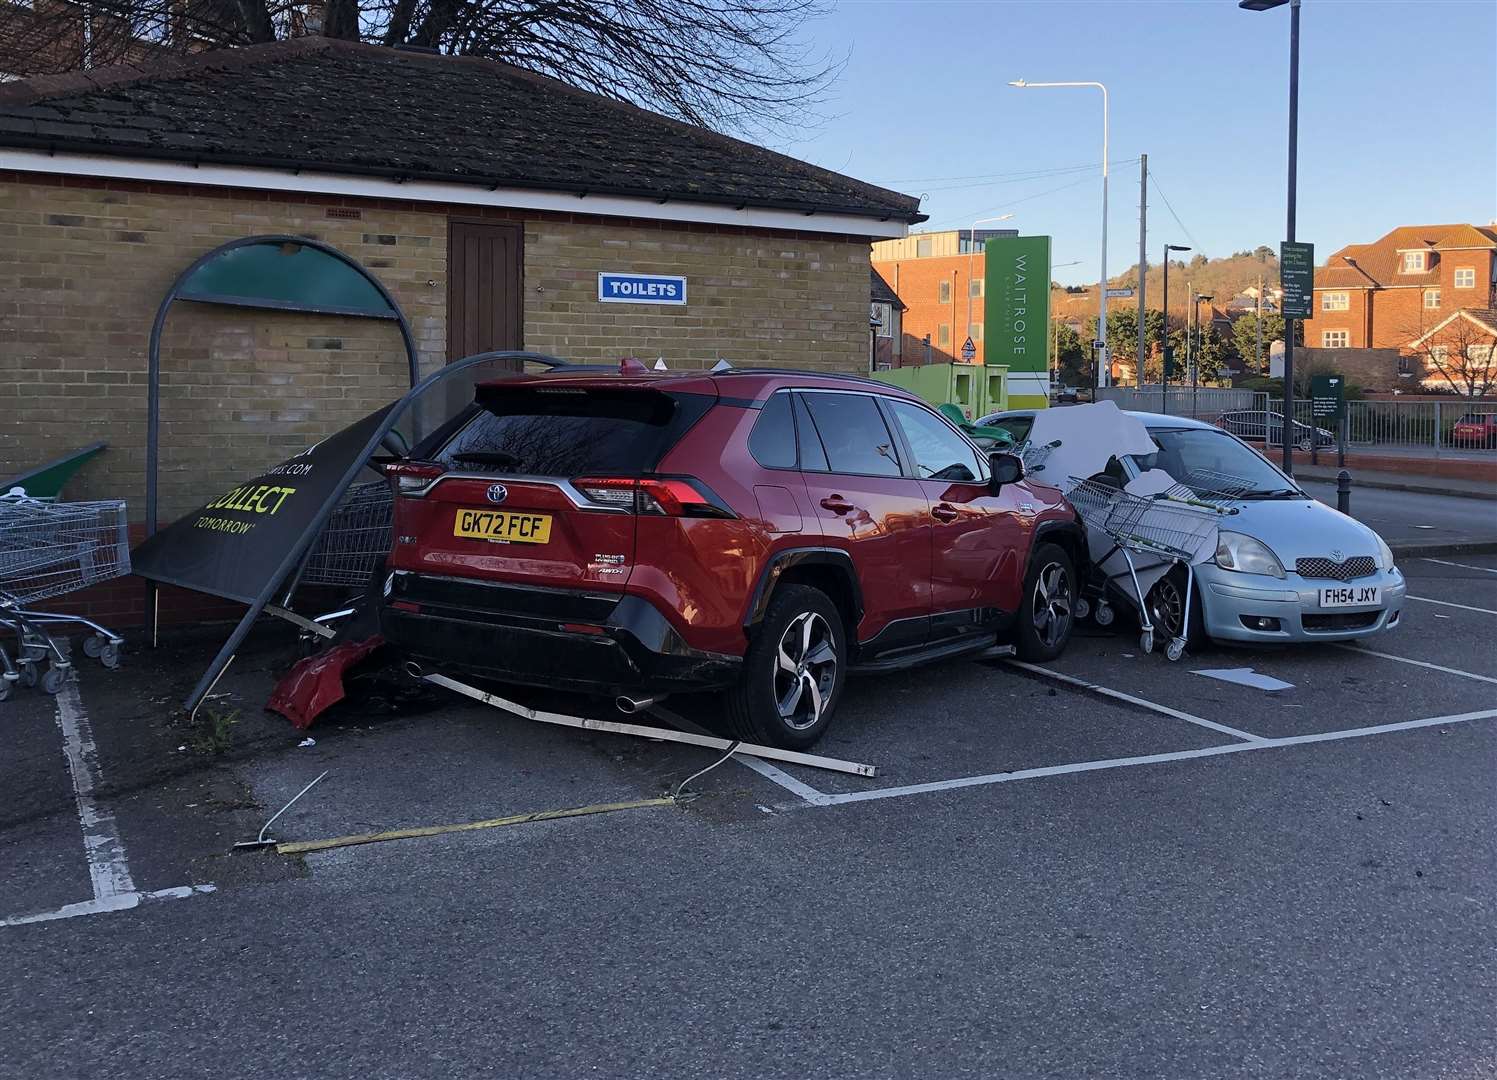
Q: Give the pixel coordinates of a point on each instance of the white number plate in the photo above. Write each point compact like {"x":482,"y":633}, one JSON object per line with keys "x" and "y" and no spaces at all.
{"x":1351,"y":596}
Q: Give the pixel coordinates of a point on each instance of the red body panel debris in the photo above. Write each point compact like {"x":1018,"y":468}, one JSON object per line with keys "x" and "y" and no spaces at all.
{"x":315,"y":684}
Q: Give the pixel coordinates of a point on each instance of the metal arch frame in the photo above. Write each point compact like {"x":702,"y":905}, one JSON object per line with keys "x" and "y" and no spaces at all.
{"x":294,"y":556}
{"x":153,"y":406}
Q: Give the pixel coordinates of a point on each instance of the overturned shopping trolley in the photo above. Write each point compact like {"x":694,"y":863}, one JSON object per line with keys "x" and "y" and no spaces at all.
{"x":49,"y":550}
{"x":1171,"y":528}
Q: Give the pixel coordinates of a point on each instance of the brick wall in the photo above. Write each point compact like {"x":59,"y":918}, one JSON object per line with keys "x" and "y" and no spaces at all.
{"x":83,"y":265}
{"x":1370,"y":369}
{"x":1397,"y":316}
{"x":918,"y":283}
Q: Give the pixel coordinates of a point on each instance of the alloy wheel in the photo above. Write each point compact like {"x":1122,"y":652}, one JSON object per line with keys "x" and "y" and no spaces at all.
{"x":805,"y":671}
{"x":1051,"y":606}
{"x":1167,"y":607}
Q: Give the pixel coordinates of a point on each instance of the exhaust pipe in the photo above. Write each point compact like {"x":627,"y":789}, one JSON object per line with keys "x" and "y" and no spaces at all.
{"x":413,"y":669}
{"x":631,"y":705}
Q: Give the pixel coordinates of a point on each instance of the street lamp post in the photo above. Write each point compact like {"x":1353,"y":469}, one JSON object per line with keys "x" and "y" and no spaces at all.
{"x":1100,"y":372}
{"x":1287,"y":424}
{"x":1195,"y":357}
{"x":1164,"y":348}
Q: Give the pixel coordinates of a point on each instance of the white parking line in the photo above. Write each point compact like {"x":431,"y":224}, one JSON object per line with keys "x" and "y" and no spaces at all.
{"x":108,"y":868}
{"x":781,"y":777}
{"x":1447,"y":603}
{"x":1461,"y":565}
{"x":1153,"y":706}
{"x":1149,"y":759}
{"x":117,"y":902}
{"x":1417,"y":663}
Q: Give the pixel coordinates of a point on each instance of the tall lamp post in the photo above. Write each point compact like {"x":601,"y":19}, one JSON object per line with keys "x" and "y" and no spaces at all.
{"x":1100,"y":373}
{"x":1287,"y":424}
{"x":1195,"y":356}
{"x":972,"y":250}
{"x":1164,"y":348}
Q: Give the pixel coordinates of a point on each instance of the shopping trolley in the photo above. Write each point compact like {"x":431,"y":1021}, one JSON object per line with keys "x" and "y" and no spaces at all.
{"x":1165,"y":528}
{"x":1034,"y":455}
{"x":356,"y":540}
{"x":48,"y":550}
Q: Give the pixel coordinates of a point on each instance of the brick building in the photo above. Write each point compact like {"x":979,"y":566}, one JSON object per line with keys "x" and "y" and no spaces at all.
{"x":1391,"y":292}
{"x":886,"y":323}
{"x":487,"y":200}
{"x":943,"y":297}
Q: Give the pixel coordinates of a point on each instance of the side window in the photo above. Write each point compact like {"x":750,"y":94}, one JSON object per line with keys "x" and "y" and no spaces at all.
{"x":772,"y":442}
{"x":854,"y":434}
{"x":812,"y":454}
{"x":940,"y":453}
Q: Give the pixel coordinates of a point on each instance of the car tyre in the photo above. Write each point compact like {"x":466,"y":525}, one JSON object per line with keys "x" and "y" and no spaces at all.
{"x":1166,"y":608}
{"x":1047,"y":612}
{"x":793,"y":672}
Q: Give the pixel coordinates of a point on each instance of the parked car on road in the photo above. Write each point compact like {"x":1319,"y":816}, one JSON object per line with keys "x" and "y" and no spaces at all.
{"x":1475,"y":429}
{"x":759,"y":532}
{"x":1265,"y":426}
{"x":1287,"y":568}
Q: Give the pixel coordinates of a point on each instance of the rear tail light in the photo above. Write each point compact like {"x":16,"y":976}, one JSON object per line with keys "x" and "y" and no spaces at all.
{"x":409,"y":477}
{"x":668,"y":497}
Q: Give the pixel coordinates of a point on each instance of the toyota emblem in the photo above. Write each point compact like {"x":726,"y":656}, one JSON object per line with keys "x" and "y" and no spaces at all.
{"x":497,"y":493}
{"x":1335,"y":555}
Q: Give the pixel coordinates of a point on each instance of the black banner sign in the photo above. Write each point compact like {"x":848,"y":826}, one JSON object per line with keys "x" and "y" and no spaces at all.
{"x":234,"y":546}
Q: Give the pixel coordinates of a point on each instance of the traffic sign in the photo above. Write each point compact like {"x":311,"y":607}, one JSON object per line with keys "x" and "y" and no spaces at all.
{"x":1119,"y":294}
{"x":1327,"y":397}
{"x":969,"y":350}
{"x":1297,"y":279}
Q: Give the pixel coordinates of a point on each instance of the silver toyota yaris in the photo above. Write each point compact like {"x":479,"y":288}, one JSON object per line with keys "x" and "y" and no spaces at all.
{"x":1286,"y":568}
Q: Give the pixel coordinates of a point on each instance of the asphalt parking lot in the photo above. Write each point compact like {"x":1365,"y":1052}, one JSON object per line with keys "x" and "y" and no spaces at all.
{"x":1109,"y":865}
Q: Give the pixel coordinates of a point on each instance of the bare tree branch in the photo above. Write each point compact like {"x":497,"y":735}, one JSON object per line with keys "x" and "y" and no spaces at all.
{"x":734,"y":65}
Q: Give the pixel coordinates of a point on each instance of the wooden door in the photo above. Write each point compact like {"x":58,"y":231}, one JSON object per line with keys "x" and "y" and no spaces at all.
{"x":484,"y":281}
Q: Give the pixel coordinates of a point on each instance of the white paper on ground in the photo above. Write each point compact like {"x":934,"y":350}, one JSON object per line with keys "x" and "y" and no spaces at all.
{"x":1245,"y":676}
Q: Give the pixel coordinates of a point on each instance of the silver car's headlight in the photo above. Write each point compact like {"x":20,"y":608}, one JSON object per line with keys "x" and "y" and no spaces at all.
{"x":1384,"y":553}
{"x":1236,"y":551}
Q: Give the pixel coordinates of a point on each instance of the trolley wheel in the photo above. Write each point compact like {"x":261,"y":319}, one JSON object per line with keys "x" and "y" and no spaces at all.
{"x":1175,"y":649}
{"x":1146,"y":641}
{"x":30,"y":674}
{"x":52,"y":681}
{"x":1104,"y":614}
{"x":109,"y":656}
{"x":94,"y":646}
{"x":1083,"y":607}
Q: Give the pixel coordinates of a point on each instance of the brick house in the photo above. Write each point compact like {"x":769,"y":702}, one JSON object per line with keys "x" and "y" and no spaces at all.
{"x":943,"y":297}
{"x":1391,"y":292}
{"x":486,"y":199}
{"x":886,"y":323}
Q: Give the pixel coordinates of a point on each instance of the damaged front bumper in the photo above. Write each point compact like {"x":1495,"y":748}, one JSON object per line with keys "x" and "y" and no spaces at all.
{"x":561,"y":639}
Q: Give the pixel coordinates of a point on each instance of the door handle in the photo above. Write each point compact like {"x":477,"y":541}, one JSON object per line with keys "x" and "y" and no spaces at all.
{"x":837,"y":504}
{"x":943,"y":512}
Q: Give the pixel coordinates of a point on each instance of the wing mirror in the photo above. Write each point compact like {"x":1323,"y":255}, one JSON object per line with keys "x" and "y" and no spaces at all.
{"x":1005,"y":468}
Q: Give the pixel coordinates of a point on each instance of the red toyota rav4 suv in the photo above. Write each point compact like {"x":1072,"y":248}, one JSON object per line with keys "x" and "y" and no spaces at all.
{"x":758,"y":532}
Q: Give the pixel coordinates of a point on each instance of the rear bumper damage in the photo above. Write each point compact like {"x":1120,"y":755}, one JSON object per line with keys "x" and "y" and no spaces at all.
{"x":556,"y":638}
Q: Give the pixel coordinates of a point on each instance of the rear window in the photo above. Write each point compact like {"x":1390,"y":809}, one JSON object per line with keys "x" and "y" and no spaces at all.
{"x":772,"y":442}
{"x":564,"y":431}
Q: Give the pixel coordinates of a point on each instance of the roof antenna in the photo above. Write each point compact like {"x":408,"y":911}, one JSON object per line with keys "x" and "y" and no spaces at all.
{"x":721,"y":365}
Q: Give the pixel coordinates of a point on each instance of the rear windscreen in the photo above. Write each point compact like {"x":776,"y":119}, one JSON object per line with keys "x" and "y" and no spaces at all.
{"x":570,"y":432}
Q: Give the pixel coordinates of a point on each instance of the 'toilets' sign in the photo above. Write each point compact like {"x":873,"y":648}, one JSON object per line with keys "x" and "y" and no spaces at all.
{"x":641,"y":289}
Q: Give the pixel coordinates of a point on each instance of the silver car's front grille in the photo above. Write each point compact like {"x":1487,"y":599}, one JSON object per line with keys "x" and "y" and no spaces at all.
{"x":1353,"y":568}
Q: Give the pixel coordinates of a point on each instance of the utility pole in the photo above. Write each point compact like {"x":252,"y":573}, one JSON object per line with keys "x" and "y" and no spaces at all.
{"x":1258,"y":349}
{"x":1143,"y":261}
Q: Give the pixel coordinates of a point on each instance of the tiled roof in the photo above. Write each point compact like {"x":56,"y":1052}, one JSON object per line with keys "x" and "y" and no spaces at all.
{"x":1377,"y":263}
{"x":881,"y":293}
{"x":335,"y":106}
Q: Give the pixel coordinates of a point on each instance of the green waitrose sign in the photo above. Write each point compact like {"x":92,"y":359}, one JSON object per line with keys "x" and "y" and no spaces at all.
{"x":1018,"y":316}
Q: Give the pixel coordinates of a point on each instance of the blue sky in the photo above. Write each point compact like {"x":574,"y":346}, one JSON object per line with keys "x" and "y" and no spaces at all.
{"x":1398,"y":116}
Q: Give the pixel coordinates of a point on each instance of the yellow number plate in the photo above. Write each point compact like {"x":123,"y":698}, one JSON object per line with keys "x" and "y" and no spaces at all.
{"x":503,"y":525}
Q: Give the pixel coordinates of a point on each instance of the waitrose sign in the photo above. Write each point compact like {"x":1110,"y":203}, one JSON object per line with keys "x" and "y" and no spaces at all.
{"x":1018,"y":315}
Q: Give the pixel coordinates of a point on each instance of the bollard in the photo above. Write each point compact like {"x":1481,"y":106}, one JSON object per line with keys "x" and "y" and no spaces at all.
{"x":1343,"y":492}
